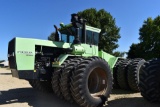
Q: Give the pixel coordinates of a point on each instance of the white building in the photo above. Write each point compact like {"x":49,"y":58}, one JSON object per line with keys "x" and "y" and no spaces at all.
{"x":4,"y":64}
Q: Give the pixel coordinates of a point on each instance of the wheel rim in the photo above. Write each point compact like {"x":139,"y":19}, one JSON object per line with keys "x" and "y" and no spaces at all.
{"x":97,"y":82}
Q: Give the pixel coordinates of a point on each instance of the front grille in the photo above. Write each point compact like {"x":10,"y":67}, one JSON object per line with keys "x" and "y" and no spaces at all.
{"x":11,"y":54}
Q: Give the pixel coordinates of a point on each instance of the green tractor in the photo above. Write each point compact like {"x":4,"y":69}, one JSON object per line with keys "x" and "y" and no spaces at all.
{"x":72,"y":66}
{"x":150,"y":80}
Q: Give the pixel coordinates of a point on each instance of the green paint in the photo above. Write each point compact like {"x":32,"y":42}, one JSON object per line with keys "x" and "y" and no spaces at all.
{"x":60,"y":60}
{"x":109,"y":58}
{"x":25,"y":60}
{"x":78,"y":49}
{"x":25,"y":50}
{"x":93,"y":29}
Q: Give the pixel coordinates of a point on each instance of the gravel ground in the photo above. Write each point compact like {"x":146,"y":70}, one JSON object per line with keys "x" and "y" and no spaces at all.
{"x":18,"y":93}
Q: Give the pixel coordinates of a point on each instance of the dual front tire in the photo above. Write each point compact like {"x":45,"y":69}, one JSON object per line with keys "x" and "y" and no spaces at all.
{"x":86,"y":81}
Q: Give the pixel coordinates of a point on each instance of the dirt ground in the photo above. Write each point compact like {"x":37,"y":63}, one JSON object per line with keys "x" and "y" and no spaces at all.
{"x":18,"y":93}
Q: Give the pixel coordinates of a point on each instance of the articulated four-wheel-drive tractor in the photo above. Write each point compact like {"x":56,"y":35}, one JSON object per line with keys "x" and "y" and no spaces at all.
{"x":72,"y":66}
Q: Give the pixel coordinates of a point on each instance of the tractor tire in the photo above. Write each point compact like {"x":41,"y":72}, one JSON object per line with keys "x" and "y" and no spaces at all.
{"x":122,"y":74}
{"x":133,"y":73}
{"x":44,"y":86}
{"x":150,"y":80}
{"x":115,"y":82}
{"x":56,"y":79}
{"x":91,"y":82}
{"x":65,"y":79}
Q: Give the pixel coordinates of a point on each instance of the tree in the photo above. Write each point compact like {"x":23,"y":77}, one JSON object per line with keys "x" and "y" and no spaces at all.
{"x":149,"y":39}
{"x":119,"y":54}
{"x":109,"y":34}
{"x":52,"y":36}
{"x":135,"y":51}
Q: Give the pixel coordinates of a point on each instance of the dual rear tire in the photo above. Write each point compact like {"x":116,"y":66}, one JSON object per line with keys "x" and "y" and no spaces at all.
{"x":122,"y":72}
{"x":150,"y":80}
{"x":126,"y":73}
{"x":133,"y":73}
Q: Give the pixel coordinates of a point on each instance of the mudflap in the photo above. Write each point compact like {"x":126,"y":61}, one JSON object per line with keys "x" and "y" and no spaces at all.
{"x":25,"y":74}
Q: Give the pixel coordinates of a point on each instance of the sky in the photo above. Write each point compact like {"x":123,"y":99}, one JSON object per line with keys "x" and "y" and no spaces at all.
{"x":35,"y":18}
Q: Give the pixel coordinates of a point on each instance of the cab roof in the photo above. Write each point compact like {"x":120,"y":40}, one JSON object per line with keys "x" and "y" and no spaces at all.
{"x":90,"y":28}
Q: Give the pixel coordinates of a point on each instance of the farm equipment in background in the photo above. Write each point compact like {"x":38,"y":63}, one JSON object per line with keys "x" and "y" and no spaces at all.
{"x":72,"y":66}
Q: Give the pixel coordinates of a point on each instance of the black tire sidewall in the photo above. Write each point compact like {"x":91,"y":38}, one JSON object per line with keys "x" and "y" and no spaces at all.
{"x":88,"y":70}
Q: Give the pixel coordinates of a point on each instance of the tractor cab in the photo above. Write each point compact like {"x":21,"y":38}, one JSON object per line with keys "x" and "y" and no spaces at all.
{"x":78,"y":32}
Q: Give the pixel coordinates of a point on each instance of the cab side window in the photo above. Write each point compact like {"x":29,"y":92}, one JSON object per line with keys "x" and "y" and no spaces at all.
{"x":88,"y":37}
{"x":92,"y":38}
{"x":80,"y":34}
{"x":95,"y":38}
{"x":71,"y":38}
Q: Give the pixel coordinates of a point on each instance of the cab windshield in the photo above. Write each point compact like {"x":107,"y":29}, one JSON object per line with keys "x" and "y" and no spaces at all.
{"x":67,"y":34}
